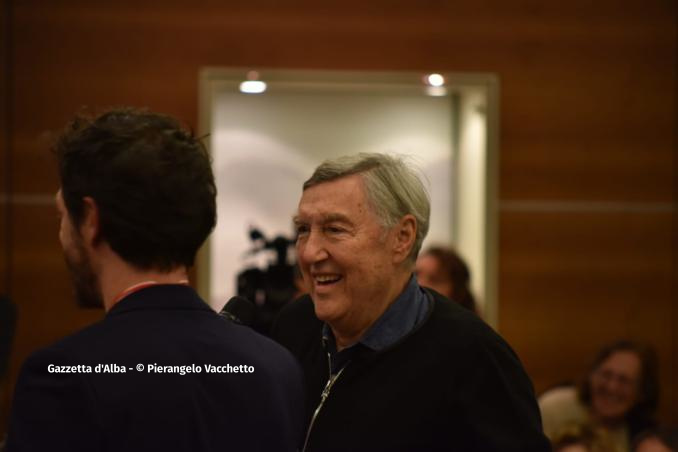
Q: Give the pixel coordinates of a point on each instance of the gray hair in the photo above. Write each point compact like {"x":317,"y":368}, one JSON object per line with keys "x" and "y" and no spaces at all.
{"x":394,"y":189}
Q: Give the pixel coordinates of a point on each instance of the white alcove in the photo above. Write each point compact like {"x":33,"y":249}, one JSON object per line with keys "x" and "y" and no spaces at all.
{"x":265,"y":145}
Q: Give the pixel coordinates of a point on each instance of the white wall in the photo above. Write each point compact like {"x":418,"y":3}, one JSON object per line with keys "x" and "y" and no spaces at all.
{"x":471,"y":205}
{"x":265,"y":146}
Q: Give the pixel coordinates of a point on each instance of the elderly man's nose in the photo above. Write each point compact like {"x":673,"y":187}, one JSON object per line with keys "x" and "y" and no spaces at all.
{"x":312,"y":249}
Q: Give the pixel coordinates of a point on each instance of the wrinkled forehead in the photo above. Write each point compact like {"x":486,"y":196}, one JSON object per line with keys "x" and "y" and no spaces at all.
{"x":344,"y":196}
{"x":345,"y":201}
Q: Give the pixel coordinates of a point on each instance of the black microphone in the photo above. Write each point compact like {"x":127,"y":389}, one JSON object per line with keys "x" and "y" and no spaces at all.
{"x":239,"y":310}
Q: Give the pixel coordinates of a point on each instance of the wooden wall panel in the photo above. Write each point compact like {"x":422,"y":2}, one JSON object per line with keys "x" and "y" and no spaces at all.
{"x":588,"y":113}
{"x":572,"y":282}
{"x":588,"y":119}
{"x":4,"y":223}
{"x":4,"y":141}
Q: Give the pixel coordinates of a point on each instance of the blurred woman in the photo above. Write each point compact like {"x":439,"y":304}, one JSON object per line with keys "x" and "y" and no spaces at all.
{"x":444,"y":271}
{"x":620,"y":394}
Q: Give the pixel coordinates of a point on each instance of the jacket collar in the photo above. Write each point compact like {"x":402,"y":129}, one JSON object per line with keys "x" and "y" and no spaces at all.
{"x":162,"y":296}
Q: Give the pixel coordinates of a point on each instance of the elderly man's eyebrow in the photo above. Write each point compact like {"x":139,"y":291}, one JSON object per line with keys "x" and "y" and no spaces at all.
{"x":330,"y":217}
{"x":327,"y":218}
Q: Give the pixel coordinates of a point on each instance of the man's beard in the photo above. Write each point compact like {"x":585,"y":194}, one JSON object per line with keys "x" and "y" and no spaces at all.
{"x":85,"y":280}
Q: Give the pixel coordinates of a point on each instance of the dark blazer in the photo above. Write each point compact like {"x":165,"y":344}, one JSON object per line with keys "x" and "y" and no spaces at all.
{"x":165,"y":325}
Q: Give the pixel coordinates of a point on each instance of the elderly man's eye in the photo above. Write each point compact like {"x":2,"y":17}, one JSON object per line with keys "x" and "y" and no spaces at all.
{"x":334,"y":229}
{"x":302,"y":229}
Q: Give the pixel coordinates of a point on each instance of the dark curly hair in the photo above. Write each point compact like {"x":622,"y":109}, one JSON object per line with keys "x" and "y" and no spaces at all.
{"x":151,"y":180}
{"x":641,"y":416}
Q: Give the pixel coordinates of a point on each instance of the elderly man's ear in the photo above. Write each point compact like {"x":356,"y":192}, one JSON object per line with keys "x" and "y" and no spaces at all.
{"x":405,"y":235}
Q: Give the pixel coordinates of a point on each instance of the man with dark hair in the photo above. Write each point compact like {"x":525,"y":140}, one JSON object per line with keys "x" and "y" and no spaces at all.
{"x":390,"y":366}
{"x":162,"y":370}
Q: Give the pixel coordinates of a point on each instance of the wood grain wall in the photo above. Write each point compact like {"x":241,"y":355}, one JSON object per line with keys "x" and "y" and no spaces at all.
{"x":3,"y":185}
{"x":4,"y":145}
{"x":587,"y":142}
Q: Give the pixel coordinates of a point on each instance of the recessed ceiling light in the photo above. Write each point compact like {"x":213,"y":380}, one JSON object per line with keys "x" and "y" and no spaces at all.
{"x":252,"y":87}
{"x":435,"y":80}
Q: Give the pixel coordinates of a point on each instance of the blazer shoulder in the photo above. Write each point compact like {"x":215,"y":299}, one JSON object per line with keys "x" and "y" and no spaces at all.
{"x":76,"y":345}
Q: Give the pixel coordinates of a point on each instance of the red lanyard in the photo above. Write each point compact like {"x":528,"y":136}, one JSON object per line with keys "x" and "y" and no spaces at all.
{"x":142,"y":285}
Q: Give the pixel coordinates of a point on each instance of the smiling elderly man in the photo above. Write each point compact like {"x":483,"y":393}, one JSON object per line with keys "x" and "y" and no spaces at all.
{"x":391,"y":366}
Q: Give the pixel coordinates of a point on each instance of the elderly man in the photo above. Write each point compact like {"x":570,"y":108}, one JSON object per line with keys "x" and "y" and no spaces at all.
{"x":161,"y":371}
{"x":391,"y":366}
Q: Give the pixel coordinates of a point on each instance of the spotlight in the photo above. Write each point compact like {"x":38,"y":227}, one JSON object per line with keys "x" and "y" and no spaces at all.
{"x":252,"y":85}
{"x":435,"y":80}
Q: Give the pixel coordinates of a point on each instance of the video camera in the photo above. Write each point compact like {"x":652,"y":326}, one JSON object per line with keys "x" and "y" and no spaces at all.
{"x":271,"y":288}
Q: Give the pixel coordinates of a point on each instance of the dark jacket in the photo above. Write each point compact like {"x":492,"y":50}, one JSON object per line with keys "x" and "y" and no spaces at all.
{"x":138,"y":410}
{"x":452,"y":384}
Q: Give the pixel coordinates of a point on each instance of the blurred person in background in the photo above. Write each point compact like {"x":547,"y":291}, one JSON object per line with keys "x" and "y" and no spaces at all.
{"x":620,"y":394}
{"x":583,"y":438}
{"x":660,"y":439}
{"x":443,"y":270}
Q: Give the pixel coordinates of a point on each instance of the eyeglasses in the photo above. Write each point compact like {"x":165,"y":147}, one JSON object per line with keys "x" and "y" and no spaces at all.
{"x":609,"y":376}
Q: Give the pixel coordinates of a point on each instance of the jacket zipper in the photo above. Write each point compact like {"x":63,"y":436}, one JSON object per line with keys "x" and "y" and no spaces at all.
{"x":323,"y":396}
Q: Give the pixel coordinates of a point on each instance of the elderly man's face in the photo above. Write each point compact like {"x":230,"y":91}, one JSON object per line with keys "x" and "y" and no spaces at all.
{"x":345,"y":255}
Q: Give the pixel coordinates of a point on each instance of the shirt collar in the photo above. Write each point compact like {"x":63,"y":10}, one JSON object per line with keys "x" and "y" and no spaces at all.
{"x":400,"y":318}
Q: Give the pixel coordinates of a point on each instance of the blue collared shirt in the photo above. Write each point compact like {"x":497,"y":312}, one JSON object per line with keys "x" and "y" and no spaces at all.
{"x":401,"y":317}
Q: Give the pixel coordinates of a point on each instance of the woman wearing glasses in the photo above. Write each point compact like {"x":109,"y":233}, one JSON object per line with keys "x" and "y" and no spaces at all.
{"x":620,"y":395}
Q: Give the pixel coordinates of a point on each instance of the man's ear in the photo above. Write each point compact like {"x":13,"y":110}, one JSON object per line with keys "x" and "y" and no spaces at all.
{"x":405,"y":235}
{"x":90,"y":227}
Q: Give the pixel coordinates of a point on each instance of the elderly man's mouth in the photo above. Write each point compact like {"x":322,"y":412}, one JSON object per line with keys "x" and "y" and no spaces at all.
{"x":327,"y":280}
